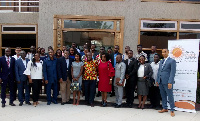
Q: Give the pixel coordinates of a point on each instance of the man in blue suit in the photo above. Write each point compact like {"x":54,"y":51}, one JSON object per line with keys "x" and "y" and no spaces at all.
{"x":20,"y":67}
{"x":7,"y":74}
{"x":165,"y":81}
{"x":50,"y":77}
{"x":64,"y":75}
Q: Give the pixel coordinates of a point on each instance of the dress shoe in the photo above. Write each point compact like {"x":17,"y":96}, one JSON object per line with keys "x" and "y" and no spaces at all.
{"x":157,"y":107}
{"x":3,"y":105}
{"x":20,"y":104}
{"x":28,"y":103}
{"x":54,"y":102}
{"x":63,"y":103}
{"x":92,"y":104}
{"x":48,"y":103}
{"x":68,"y":102}
{"x":151,"y":106}
{"x":130,"y":105}
{"x":117,"y":106}
{"x":105,"y":104}
{"x":98,"y":94}
{"x":163,"y":110}
{"x":12,"y":104}
{"x":172,"y":113}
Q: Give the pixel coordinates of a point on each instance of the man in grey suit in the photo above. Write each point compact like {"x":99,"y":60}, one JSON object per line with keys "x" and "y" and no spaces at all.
{"x":165,"y":81}
{"x":120,"y":69}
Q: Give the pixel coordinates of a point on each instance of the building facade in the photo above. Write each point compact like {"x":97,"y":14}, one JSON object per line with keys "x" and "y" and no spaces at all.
{"x":122,"y":22}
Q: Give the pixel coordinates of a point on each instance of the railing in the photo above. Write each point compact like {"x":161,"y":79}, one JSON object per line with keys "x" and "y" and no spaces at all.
{"x":19,"y":6}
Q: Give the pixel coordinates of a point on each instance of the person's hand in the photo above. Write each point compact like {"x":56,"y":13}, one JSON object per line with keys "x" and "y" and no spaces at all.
{"x":74,"y":79}
{"x":18,"y":82}
{"x":127,"y":76}
{"x":157,"y":84}
{"x":61,"y":80}
{"x":110,"y":82}
{"x":30,"y":80}
{"x":169,"y":86}
{"x":144,"y":77}
{"x":46,"y":81}
{"x":0,"y":81}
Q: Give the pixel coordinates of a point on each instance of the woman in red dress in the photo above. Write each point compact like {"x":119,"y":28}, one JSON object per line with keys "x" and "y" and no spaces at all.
{"x":106,"y":73}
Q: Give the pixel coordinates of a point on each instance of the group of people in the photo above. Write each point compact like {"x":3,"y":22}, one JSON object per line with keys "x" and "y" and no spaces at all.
{"x":119,"y":74}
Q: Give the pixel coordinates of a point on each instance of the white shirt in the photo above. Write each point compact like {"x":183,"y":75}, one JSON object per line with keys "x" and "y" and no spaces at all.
{"x":141,"y":71}
{"x":67,"y":61}
{"x":165,"y":61}
{"x":7,"y":60}
{"x":155,"y":67}
{"x":24,"y":62}
{"x":15,"y":56}
{"x":35,"y":72}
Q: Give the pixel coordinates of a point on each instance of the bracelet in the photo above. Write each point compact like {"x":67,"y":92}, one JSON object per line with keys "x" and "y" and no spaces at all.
{"x":110,"y":79}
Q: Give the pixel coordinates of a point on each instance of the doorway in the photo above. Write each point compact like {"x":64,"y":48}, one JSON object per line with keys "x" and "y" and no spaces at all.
{"x":99,"y":30}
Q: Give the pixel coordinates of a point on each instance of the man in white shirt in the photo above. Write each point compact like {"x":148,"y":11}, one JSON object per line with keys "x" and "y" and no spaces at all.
{"x":17,"y":51}
{"x":125,"y":55}
{"x":154,"y":91}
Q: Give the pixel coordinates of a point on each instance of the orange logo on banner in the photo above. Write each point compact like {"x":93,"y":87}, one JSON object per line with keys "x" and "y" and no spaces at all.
{"x":177,"y":52}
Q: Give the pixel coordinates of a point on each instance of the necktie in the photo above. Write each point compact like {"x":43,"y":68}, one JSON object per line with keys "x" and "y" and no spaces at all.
{"x":163,"y":61}
{"x":8,"y":62}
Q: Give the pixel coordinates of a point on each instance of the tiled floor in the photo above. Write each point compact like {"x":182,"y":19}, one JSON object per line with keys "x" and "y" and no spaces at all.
{"x":57,"y":112}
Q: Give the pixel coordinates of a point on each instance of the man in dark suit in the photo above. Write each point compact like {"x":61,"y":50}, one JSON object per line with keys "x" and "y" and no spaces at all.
{"x":7,"y":74}
{"x":165,"y":80}
{"x":113,"y":61}
{"x":22,"y":79}
{"x":131,"y":78}
{"x":64,"y":75}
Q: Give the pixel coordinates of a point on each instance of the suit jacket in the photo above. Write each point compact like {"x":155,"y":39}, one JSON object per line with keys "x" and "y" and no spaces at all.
{"x":4,"y":70}
{"x":50,"y":70}
{"x":166,"y":72}
{"x":120,"y":70}
{"x":132,"y":68}
{"x":62,"y":69}
{"x":19,"y":70}
{"x":95,"y":55}
{"x":112,"y":57}
{"x":147,"y":70}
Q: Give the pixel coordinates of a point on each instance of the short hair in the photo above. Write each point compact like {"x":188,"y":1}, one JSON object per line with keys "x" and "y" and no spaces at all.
{"x":106,"y":55}
{"x":157,"y":55}
{"x":50,"y":47}
{"x":18,"y":48}
{"x":110,"y":48}
{"x":78,"y":55}
{"x":102,"y":47}
{"x":94,"y":45}
{"x":139,"y":45}
{"x":165,"y":49}
{"x":142,"y":56}
{"x":154,"y":46}
{"x":131,"y":51}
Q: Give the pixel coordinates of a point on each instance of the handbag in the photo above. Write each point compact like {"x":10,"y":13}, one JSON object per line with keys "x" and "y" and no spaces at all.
{"x":74,"y":86}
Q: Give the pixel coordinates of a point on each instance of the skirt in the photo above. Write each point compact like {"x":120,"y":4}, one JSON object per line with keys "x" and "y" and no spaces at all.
{"x":142,"y":87}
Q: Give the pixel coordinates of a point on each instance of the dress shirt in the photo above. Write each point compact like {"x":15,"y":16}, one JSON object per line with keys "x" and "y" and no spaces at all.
{"x":141,"y":71}
{"x":155,"y":67}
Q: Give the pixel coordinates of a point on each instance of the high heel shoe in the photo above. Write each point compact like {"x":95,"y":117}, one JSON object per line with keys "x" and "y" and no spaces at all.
{"x":77,"y":103}
{"x":74,"y":101}
{"x":139,"y":106}
{"x":105,"y":104}
{"x":142,"y":107}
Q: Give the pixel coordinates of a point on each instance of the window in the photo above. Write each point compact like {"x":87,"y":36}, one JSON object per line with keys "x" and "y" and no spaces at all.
{"x":159,"y":31}
{"x":175,"y":1}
